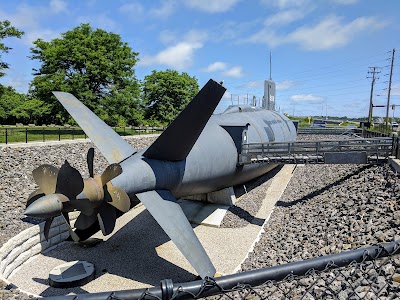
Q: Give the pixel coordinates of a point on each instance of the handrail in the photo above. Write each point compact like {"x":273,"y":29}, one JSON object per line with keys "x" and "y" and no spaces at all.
{"x":377,"y":148}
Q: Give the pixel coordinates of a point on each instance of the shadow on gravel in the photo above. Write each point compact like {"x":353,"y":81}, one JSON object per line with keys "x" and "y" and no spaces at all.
{"x":245,"y":215}
{"x":240,"y":189}
{"x":320,"y":191}
{"x":243,"y":189}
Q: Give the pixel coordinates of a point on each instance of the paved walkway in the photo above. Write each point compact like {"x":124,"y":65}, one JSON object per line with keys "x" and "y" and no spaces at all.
{"x":139,"y":254}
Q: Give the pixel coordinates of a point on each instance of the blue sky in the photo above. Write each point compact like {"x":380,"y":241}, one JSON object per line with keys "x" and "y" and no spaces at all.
{"x":321,"y":49}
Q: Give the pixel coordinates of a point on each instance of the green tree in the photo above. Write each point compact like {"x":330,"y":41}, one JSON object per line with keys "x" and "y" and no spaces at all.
{"x":122,"y":108}
{"x":6,"y":30}
{"x":165,"y":94}
{"x":32,"y":111}
{"x":9,"y":100}
{"x":92,"y":64}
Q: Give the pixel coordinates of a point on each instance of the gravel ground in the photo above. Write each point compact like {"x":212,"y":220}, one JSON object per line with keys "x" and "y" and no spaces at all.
{"x":328,"y":209}
{"x":325,"y":209}
{"x":250,"y":200}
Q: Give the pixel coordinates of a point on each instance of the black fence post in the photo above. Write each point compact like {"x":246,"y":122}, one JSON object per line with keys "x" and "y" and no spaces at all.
{"x":59,"y":134}
{"x":397,"y":148}
{"x":6,"y":135}
{"x":73,"y":133}
{"x":26,"y":135}
{"x":43,"y":134}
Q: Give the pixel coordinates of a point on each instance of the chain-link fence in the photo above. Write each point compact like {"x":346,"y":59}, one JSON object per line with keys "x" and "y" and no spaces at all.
{"x":366,"y":273}
{"x":376,"y":279}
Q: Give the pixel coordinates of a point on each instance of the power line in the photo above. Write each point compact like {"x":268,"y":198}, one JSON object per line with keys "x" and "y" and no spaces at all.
{"x":344,"y":62}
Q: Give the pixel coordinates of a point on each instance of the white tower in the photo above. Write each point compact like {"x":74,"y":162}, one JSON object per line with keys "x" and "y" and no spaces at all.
{"x":269,"y":89}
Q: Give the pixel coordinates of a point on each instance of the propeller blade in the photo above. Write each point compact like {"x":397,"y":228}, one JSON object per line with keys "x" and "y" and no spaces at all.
{"x":69,"y":181}
{"x":74,"y":236}
{"x":107,"y":217}
{"x":90,"y":159}
{"x":110,"y":173}
{"x":46,"y":178}
{"x":34,"y":196}
{"x":84,"y":222}
{"x":120,"y":199}
{"x":83,"y":205}
{"x":47,"y":226}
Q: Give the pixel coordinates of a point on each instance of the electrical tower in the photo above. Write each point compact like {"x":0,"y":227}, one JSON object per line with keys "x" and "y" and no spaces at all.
{"x":373,"y":72}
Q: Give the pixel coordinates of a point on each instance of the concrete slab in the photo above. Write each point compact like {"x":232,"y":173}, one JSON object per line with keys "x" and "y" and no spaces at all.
{"x":394,"y":163}
{"x":139,"y":254}
{"x":202,"y":213}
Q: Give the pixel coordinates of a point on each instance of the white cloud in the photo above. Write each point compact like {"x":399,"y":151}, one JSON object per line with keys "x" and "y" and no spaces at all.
{"x":306,"y":98}
{"x":133,"y":9}
{"x":26,"y":18}
{"x":252,"y":84}
{"x":18,"y":80}
{"x":231,"y":30}
{"x":233,"y":72}
{"x":284,"y":18}
{"x":101,"y":21}
{"x":227,"y":95}
{"x":286,"y":84}
{"x":329,"y":33}
{"x":166,"y":9}
{"x":58,"y":6}
{"x":345,"y":2}
{"x":44,"y":34}
{"x":395,"y":90}
{"x":216,"y":66}
{"x":179,"y":56}
{"x":285,"y":3}
{"x":167,"y":37}
{"x":211,"y":6}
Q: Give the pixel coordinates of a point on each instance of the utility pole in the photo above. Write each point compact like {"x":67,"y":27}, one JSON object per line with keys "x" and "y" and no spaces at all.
{"x":373,"y":72}
{"x":390,"y":86}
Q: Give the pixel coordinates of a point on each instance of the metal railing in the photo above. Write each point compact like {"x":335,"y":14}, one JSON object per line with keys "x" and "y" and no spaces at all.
{"x":51,"y":133}
{"x":327,"y":130}
{"x":376,"y":150}
{"x":364,"y":273}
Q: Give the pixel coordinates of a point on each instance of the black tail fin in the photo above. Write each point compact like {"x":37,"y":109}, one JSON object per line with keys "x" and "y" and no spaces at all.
{"x":178,"y":139}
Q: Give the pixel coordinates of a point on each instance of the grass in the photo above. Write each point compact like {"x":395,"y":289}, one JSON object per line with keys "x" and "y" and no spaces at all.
{"x":13,"y":134}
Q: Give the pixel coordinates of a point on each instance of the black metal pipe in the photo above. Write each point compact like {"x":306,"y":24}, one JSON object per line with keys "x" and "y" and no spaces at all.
{"x":214,"y":286}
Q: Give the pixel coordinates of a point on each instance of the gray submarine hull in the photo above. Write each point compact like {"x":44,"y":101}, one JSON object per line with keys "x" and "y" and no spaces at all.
{"x":212,"y":163}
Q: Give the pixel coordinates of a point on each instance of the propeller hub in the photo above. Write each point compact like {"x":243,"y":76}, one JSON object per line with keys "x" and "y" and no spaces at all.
{"x":47,"y":206}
